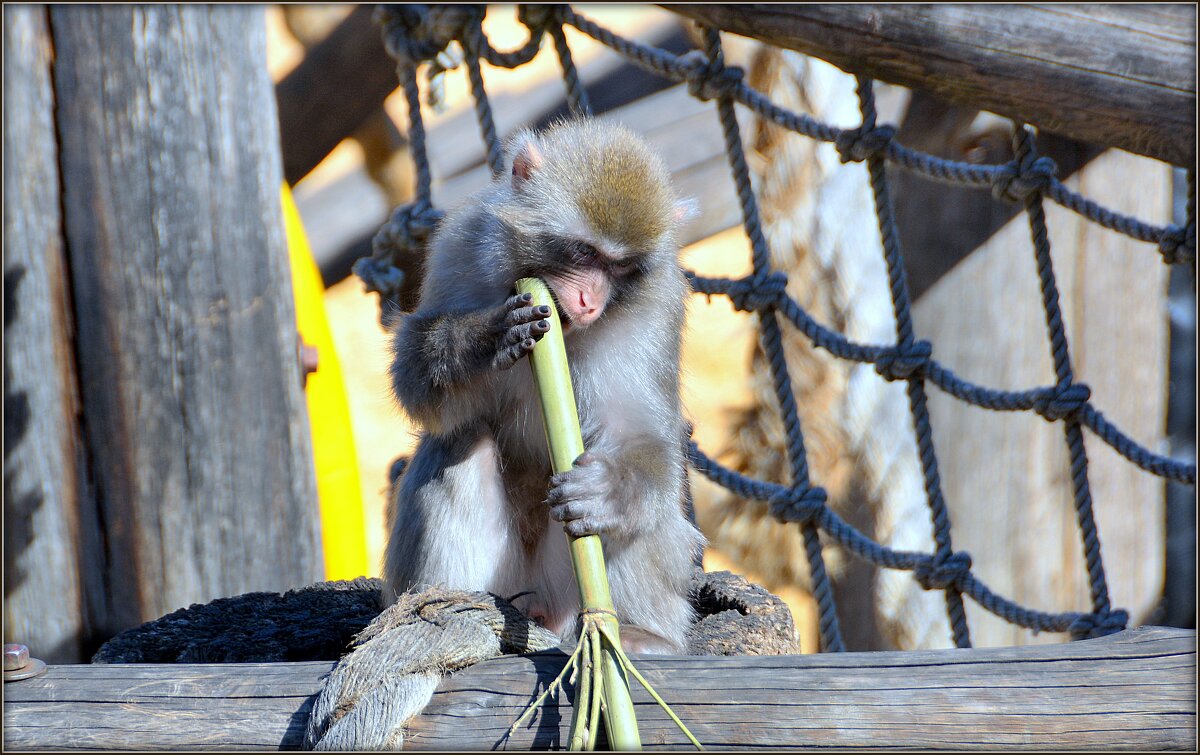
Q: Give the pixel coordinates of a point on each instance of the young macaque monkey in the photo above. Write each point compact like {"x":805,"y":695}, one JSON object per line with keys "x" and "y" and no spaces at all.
{"x":588,"y":208}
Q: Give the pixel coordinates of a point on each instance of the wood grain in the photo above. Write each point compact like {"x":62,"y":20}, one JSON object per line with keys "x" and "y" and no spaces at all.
{"x":193,"y":414}
{"x":1115,"y":75}
{"x":1134,"y":690}
{"x":45,"y":568}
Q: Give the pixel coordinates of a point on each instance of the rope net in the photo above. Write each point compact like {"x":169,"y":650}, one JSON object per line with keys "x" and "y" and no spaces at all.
{"x":415,"y":35}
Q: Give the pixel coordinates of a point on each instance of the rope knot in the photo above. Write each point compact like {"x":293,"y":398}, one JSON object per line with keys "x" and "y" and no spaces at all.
{"x":799,"y":504}
{"x":1062,"y":401}
{"x":709,"y":80}
{"x":856,"y":144}
{"x":902,"y":362}
{"x":939,"y":574}
{"x":404,"y":234}
{"x":538,"y":17}
{"x":758,"y":294}
{"x":1178,"y":244}
{"x":407,"y":229}
{"x":1091,"y":625}
{"x":417,"y":33}
{"x":1017,"y":180}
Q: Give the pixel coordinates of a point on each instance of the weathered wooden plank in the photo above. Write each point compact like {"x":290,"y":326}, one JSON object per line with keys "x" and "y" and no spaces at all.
{"x":44,"y":561}
{"x":1115,"y":75}
{"x":192,"y":403}
{"x":1133,"y":690}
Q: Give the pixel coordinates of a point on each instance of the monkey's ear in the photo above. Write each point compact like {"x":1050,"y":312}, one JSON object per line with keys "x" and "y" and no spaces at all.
{"x":686,"y":210}
{"x":526,"y":162}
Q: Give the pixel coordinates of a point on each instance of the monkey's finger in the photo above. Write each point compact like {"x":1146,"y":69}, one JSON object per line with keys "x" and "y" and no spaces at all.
{"x":584,"y":527}
{"x":522,"y":315}
{"x":518,"y":300}
{"x":510,"y":355}
{"x":569,"y":511}
{"x":519,"y":333}
{"x":586,"y":458}
{"x":500,"y":314}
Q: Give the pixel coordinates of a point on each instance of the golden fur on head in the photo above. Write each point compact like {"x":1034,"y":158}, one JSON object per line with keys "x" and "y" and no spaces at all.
{"x":620,"y":186}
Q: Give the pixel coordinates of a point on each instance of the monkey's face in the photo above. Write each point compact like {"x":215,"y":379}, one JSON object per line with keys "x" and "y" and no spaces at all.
{"x":594,"y":208}
{"x":586,"y":277}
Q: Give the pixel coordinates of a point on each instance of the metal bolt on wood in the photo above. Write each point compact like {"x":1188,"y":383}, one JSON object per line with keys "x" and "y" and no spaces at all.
{"x":19,"y":665}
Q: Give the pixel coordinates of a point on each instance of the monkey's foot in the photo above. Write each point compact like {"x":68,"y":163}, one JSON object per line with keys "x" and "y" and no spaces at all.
{"x":519,"y":326}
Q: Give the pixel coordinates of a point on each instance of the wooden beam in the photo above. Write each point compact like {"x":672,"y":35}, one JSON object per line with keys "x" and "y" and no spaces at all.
{"x":1132,"y":690}
{"x":1114,"y":75}
{"x":338,"y":85}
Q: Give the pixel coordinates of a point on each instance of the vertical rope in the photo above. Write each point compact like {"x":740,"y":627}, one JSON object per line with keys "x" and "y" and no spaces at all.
{"x":577,"y":98}
{"x":1189,"y":230}
{"x":905,"y":344}
{"x":772,"y":341}
{"x":407,"y":72}
{"x":1025,"y":154}
{"x":483,"y":109}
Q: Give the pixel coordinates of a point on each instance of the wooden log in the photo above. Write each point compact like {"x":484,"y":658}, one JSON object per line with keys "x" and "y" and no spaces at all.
{"x":194,"y":419}
{"x":1115,"y":75}
{"x":1132,"y":690}
{"x":44,"y":564}
{"x":340,"y":83}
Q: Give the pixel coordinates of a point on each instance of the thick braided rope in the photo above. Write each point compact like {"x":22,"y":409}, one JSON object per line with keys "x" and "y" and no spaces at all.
{"x":772,"y":343}
{"x":1026,"y":179}
{"x":577,"y":99}
{"x":475,"y":43}
{"x":862,"y":142}
{"x":1025,"y":153}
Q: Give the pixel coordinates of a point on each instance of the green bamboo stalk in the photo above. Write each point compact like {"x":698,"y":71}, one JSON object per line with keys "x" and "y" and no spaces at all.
{"x":553,"y":380}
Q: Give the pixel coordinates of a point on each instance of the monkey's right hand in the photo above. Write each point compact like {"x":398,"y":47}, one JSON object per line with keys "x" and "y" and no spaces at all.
{"x":518,"y":327}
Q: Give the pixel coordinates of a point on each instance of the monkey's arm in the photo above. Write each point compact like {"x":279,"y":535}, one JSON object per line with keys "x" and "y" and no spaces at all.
{"x":440,"y":356}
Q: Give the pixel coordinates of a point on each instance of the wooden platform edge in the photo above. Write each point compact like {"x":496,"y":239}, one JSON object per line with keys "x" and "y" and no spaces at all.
{"x":1132,"y":690}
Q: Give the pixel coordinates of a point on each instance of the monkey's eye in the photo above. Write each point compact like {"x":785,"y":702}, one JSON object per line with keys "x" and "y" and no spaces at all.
{"x":582,"y":252}
{"x":622,"y":268}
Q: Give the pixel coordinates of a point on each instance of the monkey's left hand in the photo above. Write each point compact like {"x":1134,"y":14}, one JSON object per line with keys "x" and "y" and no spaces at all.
{"x":582,"y":498}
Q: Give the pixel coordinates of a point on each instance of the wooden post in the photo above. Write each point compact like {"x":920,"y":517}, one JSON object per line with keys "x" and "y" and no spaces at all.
{"x":1116,"y":75}
{"x":1133,"y":690}
{"x":45,"y":566}
{"x":193,"y":423}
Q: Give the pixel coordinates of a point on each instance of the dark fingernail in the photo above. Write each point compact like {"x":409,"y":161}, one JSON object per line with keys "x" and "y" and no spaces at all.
{"x":544,"y":310}
{"x":528,"y":343}
{"x":542,"y":325}
{"x":526,"y":297}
